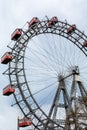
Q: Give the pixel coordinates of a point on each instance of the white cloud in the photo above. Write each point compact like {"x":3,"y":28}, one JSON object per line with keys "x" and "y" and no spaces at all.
{"x":8,"y":119}
{"x":14,"y":13}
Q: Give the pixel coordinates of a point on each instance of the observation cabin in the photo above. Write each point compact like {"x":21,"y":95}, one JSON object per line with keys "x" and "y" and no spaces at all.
{"x":33,"y":22}
{"x":16,"y":34}
{"x":24,"y":122}
{"x":71,"y":29}
{"x":52,"y":21}
{"x":6,"y":58}
{"x":85,"y":44}
{"x":8,"y":90}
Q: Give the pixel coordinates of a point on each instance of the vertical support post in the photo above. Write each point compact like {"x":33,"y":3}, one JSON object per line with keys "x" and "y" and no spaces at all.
{"x":18,"y":123}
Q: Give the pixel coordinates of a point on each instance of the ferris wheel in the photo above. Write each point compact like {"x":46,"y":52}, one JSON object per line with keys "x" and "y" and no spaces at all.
{"x":48,"y":74}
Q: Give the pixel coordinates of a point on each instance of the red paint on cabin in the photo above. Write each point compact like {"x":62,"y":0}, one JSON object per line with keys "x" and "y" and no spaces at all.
{"x":71,"y":29}
{"x":7,"y":57}
{"x":8,"y":90}
{"x":53,"y":21}
{"x":33,"y":22}
{"x":16,"y":34}
{"x":24,"y":122}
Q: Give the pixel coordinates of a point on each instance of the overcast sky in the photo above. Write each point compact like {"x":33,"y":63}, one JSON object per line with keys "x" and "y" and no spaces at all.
{"x":15,"y":13}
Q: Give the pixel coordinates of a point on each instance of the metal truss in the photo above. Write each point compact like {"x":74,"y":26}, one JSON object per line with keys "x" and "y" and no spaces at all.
{"x":23,"y":95}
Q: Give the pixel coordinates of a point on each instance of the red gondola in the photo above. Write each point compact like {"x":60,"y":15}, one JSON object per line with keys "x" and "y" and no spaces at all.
{"x":7,"y":57}
{"x":85,"y":44}
{"x":33,"y":22}
{"x":71,"y":29}
{"x":16,"y":34}
{"x":8,"y":90}
{"x":53,"y":21}
{"x":24,"y":122}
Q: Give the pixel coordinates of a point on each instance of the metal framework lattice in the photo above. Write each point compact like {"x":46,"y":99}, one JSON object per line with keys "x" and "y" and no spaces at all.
{"x":75,"y":106}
